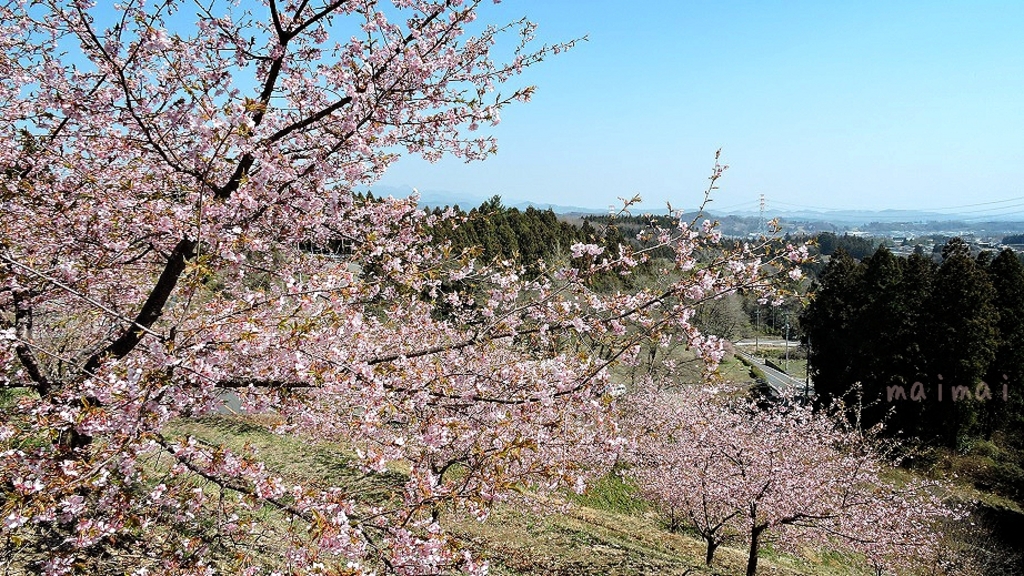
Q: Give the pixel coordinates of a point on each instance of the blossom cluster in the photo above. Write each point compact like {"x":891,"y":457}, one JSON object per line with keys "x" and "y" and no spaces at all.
{"x":179,"y":230}
{"x":802,"y":479}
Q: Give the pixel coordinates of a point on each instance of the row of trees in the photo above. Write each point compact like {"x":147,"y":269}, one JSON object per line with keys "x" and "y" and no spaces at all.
{"x":857,"y":246}
{"x":790,"y":476}
{"x":524,"y":237}
{"x":936,"y":350}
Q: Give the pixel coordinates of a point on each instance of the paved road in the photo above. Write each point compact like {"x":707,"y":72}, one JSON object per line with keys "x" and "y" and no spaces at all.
{"x":771,"y":342}
{"x":783,"y":384}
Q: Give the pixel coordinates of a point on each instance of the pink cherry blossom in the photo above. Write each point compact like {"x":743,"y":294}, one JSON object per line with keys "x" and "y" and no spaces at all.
{"x":179,"y":233}
{"x":736,"y":472}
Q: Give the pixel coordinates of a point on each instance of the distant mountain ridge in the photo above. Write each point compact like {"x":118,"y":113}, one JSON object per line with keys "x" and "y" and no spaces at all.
{"x":858,"y":216}
{"x":440,"y":198}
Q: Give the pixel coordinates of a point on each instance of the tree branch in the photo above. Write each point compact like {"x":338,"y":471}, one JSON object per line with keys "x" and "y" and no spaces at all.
{"x":232,"y":483}
{"x":23,"y":327}
{"x":151,"y":310}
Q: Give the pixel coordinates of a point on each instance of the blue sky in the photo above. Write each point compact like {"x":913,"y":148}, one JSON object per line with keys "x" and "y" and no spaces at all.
{"x":829,"y":105}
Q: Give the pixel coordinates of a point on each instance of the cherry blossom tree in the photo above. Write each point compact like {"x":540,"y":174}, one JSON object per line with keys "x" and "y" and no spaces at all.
{"x":178,"y":227}
{"x":733,"y":470}
{"x":679,"y":467}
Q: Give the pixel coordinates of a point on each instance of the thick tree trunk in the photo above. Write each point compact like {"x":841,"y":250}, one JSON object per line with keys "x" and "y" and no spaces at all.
{"x":712,"y":546}
{"x":76,"y":444}
{"x":755,"y":535}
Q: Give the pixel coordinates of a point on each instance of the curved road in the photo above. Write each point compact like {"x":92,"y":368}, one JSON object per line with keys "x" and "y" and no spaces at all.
{"x":783,"y":384}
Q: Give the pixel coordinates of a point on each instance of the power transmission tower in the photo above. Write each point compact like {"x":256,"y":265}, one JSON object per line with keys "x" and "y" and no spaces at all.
{"x":761,"y":226}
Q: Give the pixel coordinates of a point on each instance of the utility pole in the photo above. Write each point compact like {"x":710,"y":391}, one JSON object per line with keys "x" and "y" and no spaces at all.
{"x":807,"y":370}
{"x":757,"y":330}
{"x":787,"y":347}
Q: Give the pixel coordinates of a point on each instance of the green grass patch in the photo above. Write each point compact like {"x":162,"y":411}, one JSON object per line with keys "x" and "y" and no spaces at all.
{"x":755,"y":372}
{"x":613,"y":492}
{"x":732,"y":369}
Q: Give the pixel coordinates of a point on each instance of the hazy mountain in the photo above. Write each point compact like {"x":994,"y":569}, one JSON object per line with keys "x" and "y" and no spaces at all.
{"x":859,"y":216}
{"x":431,"y":197}
{"x":821,"y":219}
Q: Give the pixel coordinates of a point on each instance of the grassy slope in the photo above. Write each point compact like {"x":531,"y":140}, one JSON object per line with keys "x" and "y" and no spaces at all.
{"x":606,"y":532}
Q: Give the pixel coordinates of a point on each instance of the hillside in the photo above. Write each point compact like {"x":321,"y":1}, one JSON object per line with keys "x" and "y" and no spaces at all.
{"x":608,"y":530}
{"x":604,"y":532}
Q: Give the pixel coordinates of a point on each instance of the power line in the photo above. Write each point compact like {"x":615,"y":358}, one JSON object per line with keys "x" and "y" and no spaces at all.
{"x":999,"y":215}
{"x":747,"y":204}
{"x":957,"y":210}
{"x":806,"y":207}
{"x":996,"y":209}
{"x":981,"y":204}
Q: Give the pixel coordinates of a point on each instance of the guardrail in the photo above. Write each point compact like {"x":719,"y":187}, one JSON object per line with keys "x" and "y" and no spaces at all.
{"x":775,"y":366}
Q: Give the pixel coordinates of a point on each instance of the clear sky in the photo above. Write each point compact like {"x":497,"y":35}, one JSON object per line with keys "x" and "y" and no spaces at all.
{"x":823,"y":104}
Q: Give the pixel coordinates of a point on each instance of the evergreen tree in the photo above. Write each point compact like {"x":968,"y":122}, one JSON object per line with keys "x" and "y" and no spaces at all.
{"x":829,"y":324}
{"x":1007,"y":275}
{"x":877,"y":333}
{"x":962,"y":342}
{"x":856,"y":246}
{"x":984,"y":259}
{"x":908,"y":355}
{"x":507,"y":244}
